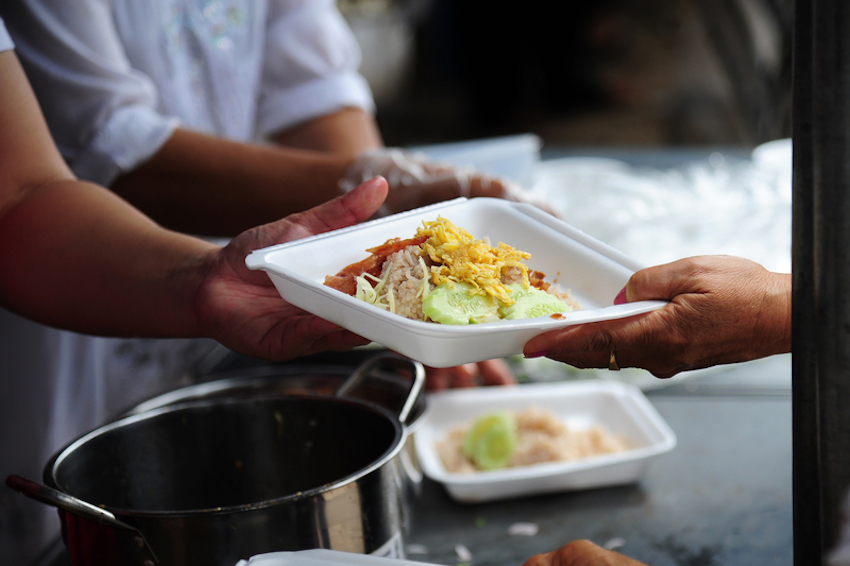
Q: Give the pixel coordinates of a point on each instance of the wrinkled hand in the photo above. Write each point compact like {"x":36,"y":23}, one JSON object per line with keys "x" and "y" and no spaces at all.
{"x":243,"y":310}
{"x":722,"y":310}
{"x":581,"y":553}
{"x":490,"y":372}
{"x":414,"y":181}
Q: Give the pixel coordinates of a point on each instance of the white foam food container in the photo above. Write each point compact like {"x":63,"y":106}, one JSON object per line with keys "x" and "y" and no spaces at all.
{"x":620,"y":408}
{"x":323,"y":557}
{"x":593,"y":271}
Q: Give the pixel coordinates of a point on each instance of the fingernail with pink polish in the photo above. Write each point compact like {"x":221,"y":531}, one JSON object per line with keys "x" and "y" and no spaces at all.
{"x":621,"y":299}
{"x":539,"y":354}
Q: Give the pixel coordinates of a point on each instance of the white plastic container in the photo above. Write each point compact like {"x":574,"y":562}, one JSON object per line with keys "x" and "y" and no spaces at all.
{"x":322,"y":557}
{"x":514,"y":157}
{"x":593,"y":271}
{"x":620,"y":408}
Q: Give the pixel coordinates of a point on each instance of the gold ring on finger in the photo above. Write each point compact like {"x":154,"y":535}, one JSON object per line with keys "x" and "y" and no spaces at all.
{"x":612,"y":362}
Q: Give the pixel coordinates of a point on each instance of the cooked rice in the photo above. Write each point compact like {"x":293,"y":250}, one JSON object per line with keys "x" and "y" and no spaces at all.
{"x":541,"y":437}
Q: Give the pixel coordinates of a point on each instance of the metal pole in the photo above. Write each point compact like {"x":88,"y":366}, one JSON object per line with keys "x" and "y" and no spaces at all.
{"x":827,"y":323}
{"x":806,"y":476}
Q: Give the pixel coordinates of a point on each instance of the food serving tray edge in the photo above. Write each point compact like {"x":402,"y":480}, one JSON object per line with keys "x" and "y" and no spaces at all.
{"x":324,"y":557}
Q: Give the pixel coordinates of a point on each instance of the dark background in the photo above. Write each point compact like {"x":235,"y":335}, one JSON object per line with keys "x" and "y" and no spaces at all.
{"x":607,"y":72}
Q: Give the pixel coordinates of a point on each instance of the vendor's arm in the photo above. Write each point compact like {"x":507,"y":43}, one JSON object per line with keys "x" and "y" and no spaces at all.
{"x":119,"y":109}
{"x":310,"y":97}
{"x":207,"y":185}
{"x":722,"y":310}
{"x":347,"y":132}
{"x":75,"y":256}
{"x":188,"y":183}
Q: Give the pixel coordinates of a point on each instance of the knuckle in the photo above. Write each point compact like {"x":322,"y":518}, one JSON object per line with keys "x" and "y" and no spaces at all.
{"x":601,"y":342}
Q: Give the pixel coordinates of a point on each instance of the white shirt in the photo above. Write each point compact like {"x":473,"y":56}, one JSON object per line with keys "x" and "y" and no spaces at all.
{"x":5,"y":40}
{"x":115,"y":77}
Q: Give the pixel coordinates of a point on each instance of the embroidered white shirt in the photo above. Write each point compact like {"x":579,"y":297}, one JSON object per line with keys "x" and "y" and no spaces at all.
{"x":116,"y":77}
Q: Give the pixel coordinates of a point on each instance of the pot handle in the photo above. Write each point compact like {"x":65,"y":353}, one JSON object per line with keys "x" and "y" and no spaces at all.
{"x":365,"y":369}
{"x":73,"y":505}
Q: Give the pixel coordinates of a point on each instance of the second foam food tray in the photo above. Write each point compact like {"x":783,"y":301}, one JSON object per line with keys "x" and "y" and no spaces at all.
{"x":324,"y":557}
{"x":619,"y":408}
{"x":593,"y":271}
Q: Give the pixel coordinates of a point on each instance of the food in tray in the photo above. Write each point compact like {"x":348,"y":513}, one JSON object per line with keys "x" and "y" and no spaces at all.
{"x":491,"y":440}
{"x":444,"y":275}
{"x":506,"y":439}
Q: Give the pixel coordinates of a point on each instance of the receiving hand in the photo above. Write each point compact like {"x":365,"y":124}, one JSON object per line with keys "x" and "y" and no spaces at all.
{"x":414,"y":181}
{"x":489,"y":372}
{"x":722,"y":310}
{"x":243,"y":310}
{"x":581,"y":553}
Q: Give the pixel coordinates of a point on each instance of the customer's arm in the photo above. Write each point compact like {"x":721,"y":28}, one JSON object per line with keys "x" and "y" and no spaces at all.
{"x":722,"y":310}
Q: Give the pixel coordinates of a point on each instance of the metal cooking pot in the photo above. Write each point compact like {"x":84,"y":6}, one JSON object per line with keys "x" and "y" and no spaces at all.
{"x":213,"y":481}
{"x":382,"y":379}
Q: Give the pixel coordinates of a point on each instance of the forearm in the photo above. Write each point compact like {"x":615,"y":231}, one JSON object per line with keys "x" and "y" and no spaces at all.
{"x":346,"y":132}
{"x":210,"y":186}
{"x":64,"y":252}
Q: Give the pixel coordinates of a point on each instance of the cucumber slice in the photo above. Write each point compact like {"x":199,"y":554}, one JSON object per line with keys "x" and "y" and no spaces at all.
{"x":491,"y":441}
{"x":452,"y":304}
{"x":531,"y":303}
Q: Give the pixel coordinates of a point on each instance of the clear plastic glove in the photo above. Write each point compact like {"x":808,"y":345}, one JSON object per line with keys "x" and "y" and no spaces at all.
{"x":415,"y":181}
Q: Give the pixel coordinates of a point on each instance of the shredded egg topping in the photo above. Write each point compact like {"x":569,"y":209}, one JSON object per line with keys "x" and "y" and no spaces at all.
{"x":457,"y":256}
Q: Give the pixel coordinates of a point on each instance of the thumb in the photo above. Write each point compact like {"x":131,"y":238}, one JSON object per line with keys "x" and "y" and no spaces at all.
{"x":664,"y":282}
{"x":346,"y":210}
{"x":351,"y":208}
